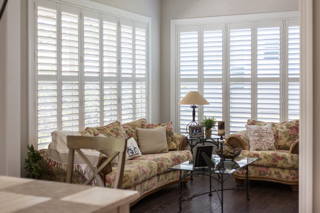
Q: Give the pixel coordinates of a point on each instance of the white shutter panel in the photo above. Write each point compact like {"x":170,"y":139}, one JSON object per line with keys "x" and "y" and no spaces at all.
{"x":268,"y":101}
{"x":126,"y":51}
{"x":47,"y":112}
{"x":140,"y":53}
{"x":109,"y":49}
{"x":240,"y":53}
{"x":240,"y":105}
{"x":268,"y":52}
{"x":91,"y":47}
{"x":70,"y":44}
{"x":92,"y":104}
{"x":185,"y":110}
{"x":70,"y":106}
{"x":110,"y":102}
{"x":212,"y":54}
{"x":293,"y":51}
{"x":293,"y":100}
{"x":141,"y":97}
{"x":127,"y":102}
{"x":189,"y":54}
{"x":212,"y":92}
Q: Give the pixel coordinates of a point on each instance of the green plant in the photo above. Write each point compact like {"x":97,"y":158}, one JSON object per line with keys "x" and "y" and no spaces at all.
{"x":208,"y":123}
{"x":32,"y":163}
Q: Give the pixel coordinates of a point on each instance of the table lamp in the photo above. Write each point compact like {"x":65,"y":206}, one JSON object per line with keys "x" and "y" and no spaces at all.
{"x":193,"y":98}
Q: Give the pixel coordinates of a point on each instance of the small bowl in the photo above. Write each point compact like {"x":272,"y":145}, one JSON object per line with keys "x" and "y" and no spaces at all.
{"x":228,"y":153}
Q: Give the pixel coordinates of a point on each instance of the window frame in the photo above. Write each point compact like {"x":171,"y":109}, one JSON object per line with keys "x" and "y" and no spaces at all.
{"x":227,"y":21}
{"x":102,"y":11}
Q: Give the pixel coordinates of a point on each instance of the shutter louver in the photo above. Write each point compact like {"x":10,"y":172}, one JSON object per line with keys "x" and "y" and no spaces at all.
{"x":92,"y":104}
{"x":268,"y":52}
{"x":189,"y":55}
{"x":47,"y":112}
{"x":293,"y":101}
{"x":294,"y":52}
{"x":47,"y":41}
{"x":69,"y":49}
{"x":240,"y":53}
{"x":110,"y":102}
{"x":185,"y":110}
{"x":126,"y":51}
{"x":109,"y":49}
{"x":127,"y":102}
{"x":70,"y":106}
{"x":141,"y":106}
{"x":213,"y":94}
{"x":268,"y":101}
{"x":91,"y":47}
{"x":140,"y":52}
{"x":212,"y":54}
{"x":240,"y":105}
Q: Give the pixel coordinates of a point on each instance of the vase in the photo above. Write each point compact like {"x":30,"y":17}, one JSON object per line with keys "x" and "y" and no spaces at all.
{"x":208,"y":133}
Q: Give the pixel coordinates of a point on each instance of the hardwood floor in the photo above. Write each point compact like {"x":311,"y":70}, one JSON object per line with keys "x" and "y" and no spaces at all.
{"x":265,"y":197}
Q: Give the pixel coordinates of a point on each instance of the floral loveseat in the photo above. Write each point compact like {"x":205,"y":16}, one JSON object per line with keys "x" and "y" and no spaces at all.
{"x":146,"y":174}
{"x":280,"y":165}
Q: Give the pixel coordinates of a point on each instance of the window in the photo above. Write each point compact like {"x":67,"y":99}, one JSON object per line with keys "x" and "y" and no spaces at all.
{"x":246,"y":69}
{"x":89,"y":68}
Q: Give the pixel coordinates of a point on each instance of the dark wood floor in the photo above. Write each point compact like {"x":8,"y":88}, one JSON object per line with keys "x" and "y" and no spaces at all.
{"x":265,"y":197}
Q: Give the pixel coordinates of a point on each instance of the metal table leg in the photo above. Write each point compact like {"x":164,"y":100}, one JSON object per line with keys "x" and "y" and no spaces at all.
{"x":247,"y":180}
{"x":222,"y":192}
{"x":180,"y":188}
{"x":210,"y":194}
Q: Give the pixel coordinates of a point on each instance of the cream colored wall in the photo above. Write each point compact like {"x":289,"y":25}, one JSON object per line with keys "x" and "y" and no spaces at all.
{"x":316,"y":104}
{"x":150,"y":8}
{"x":183,"y":9}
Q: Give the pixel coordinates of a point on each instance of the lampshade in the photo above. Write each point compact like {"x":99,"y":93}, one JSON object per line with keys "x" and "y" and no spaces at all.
{"x":194,"y":98}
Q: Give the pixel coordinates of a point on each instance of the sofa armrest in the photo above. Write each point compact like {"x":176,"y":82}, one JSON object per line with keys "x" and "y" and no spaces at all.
{"x":238,"y":139}
{"x":294,"y":148}
{"x":106,"y":170}
{"x":181,"y":141}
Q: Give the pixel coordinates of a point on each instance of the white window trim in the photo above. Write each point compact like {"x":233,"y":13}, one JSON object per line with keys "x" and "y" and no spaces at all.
{"x":174,"y":65}
{"x":91,"y":6}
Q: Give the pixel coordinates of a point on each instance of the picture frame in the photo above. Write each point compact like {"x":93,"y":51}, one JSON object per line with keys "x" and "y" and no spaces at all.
{"x":196,"y":131}
{"x":198,"y":159}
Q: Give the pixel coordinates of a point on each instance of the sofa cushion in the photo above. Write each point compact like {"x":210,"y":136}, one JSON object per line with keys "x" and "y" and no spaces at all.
{"x":285,"y":133}
{"x":135,"y":172}
{"x":167,"y":160}
{"x":130,"y":128}
{"x":113,"y":130}
{"x":260,"y":137}
{"x":273,"y":158}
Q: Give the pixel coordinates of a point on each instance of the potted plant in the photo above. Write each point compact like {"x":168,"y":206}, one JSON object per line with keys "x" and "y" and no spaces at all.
{"x":208,"y":124}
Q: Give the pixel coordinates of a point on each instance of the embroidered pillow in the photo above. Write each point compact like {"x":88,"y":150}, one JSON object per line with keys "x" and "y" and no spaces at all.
{"x":130,"y":128}
{"x":261,"y":137}
{"x":169,"y":133}
{"x":152,"y":141}
{"x":133,"y":150}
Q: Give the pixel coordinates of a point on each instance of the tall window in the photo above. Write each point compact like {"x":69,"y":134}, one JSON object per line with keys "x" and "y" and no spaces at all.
{"x":245,"y":70}
{"x":90,"y":69}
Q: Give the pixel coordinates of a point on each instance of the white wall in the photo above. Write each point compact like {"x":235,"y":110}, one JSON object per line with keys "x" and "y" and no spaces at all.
{"x":183,"y":9}
{"x":150,"y":8}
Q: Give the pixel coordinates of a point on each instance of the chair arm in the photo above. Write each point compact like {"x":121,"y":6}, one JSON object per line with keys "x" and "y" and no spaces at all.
{"x":238,"y":139}
{"x":106,"y":170}
{"x":181,"y":141}
{"x":294,"y":148}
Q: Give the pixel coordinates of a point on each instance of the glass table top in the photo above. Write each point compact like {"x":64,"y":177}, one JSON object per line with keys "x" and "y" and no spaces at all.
{"x":225,"y":167}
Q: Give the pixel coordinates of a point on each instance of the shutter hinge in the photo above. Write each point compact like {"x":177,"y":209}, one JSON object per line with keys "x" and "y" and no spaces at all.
{"x":81,"y":59}
{"x":119,"y":62}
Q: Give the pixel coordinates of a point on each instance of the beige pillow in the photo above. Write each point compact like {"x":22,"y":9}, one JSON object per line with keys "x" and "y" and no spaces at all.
{"x":152,"y":140}
{"x":261,"y":137}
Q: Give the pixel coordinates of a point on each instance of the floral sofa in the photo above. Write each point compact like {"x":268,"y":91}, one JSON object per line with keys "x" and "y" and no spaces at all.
{"x":280,"y":165}
{"x":146,"y":174}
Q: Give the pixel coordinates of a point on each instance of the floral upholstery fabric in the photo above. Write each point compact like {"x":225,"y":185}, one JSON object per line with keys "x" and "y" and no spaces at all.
{"x":135,"y":172}
{"x":273,"y":158}
{"x":177,"y":139}
{"x":169,"y":131}
{"x":263,"y":172}
{"x":285,"y":133}
{"x":113,"y":130}
{"x":166,"y":160}
{"x":130,"y":128}
{"x":242,"y":136}
{"x":156,"y":182}
{"x":293,"y":147}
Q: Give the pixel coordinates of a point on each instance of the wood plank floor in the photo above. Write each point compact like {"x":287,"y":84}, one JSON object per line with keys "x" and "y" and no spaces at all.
{"x":265,"y":197}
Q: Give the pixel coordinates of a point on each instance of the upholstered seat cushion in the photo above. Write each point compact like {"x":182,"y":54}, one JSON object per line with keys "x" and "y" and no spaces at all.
{"x":273,"y":158}
{"x":166,"y":160}
{"x":135,"y":172}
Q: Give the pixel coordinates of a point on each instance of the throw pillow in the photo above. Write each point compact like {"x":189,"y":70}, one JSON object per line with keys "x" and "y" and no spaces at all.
{"x":169,"y":133}
{"x":152,"y":140}
{"x":130,"y":128}
{"x":261,"y":137}
{"x":133,"y":150}
{"x":113,"y":130}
